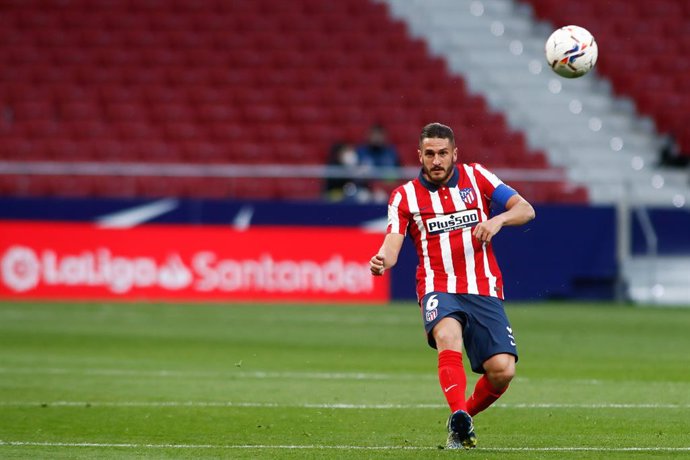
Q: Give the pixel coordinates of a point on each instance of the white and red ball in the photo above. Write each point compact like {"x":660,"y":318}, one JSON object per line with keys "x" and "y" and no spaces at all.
{"x":571,"y":51}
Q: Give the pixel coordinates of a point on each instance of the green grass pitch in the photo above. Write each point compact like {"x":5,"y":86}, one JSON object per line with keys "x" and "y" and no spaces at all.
{"x":94,"y":380}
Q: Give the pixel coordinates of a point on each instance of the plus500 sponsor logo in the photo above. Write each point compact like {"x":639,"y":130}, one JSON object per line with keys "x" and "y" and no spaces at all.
{"x":24,"y":269}
{"x":455,"y":221}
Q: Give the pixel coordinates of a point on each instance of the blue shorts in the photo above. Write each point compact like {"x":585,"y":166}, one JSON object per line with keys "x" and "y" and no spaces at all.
{"x":485,"y":328}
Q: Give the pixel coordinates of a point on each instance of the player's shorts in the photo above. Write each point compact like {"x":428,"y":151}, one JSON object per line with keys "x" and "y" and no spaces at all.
{"x":485,"y":328}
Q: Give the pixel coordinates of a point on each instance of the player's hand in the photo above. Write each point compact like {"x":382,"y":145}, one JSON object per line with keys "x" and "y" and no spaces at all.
{"x":376,"y":265}
{"x":484,"y":231}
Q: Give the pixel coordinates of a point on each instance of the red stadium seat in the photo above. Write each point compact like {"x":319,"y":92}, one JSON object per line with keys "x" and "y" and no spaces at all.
{"x":67,"y":150}
{"x":252,"y":188}
{"x":181,"y":131}
{"x":33,"y":111}
{"x":222,"y":132}
{"x":210,"y":112}
{"x":111,"y":150}
{"x":300,"y":189}
{"x":170,"y":112}
{"x":116,"y":187}
{"x":125,"y":112}
{"x":133,"y":131}
{"x":86,"y":129}
{"x":155,"y":150}
{"x":80,"y":111}
{"x":17,"y":148}
{"x":199,"y":151}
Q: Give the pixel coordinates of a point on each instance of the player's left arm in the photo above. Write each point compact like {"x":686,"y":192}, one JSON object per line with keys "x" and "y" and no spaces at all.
{"x":518,"y":211}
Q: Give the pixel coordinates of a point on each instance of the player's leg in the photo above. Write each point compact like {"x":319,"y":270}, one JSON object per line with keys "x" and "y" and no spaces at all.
{"x":451,"y":375}
{"x":500,"y":370}
{"x":443,"y":315}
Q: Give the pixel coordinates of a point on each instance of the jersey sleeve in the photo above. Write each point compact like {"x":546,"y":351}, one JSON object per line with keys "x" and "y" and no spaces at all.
{"x":398,"y":213}
{"x":492,"y":187}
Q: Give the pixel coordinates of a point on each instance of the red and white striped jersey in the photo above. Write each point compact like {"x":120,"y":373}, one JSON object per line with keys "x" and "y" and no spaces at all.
{"x":440,"y":222}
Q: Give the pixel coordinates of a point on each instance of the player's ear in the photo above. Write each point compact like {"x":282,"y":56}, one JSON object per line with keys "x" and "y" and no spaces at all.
{"x":419,"y":153}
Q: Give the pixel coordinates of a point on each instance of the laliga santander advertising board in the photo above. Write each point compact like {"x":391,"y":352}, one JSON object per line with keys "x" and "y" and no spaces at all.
{"x":83,"y":261}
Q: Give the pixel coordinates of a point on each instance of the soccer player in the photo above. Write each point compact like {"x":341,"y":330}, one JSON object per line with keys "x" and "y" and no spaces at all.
{"x":446,"y":211}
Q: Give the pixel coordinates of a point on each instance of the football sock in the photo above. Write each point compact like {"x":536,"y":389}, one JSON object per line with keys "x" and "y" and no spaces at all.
{"x":451,"y":376}
{"x":484,"y":395}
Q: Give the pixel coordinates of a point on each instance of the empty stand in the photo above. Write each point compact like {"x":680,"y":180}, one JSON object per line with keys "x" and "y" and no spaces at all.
{"x":253,"y":82}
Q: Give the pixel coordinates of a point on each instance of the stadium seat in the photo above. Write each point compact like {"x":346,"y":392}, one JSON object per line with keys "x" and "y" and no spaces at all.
{"x":253,"y":188}
{"x":80,"y":111}
{"x":199,"y":151}
{"x":17,"y":148}
{"x":116,"y":187}
{"x":300,"y":189}
{"x":85,"y":129}
{"x":33,"y":111}
{"x":177,"y":132}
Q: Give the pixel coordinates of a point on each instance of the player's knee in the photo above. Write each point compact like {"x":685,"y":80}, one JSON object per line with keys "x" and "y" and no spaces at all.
{"x":445,"y":339}
{"x":500,"y":370}
{"x":448,"y":334}
{"x":501,"y":378}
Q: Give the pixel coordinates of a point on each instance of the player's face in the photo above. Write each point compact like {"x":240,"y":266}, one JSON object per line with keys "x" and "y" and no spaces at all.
{"x":438,"y":157}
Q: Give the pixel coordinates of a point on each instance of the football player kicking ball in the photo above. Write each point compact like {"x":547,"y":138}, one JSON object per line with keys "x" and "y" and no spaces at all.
{"x":446,"y":211}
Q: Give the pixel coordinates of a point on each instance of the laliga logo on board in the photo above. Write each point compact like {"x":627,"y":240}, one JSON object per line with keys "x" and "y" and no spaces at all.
{"x":20,"y":269}
{"x":23,"y":270}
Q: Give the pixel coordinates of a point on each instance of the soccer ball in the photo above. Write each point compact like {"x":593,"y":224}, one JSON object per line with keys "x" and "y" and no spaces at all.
{"x":571,"y":51}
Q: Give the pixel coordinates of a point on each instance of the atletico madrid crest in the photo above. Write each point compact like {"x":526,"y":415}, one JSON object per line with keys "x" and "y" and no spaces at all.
{"x":467,"y":195}
{"x":431,"y":315}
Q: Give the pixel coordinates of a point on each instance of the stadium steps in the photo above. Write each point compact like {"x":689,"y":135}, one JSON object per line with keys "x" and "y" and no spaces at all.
{"x":663,"y":281}
{"x":497,"y":46}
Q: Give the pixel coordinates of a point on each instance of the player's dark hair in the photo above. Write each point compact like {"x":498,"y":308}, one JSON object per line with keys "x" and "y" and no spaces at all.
{"x":438,"y":131}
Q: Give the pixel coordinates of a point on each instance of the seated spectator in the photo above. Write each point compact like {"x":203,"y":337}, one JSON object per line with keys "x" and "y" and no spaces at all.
{"x":347,"y":187}
{"x":376,"y":151}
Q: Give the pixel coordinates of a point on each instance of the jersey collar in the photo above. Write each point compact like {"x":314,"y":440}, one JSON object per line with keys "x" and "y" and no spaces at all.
{"x":453,"y":182}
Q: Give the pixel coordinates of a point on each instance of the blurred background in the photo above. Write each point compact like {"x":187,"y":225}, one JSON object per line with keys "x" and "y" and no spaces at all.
{"x":306,"y":113}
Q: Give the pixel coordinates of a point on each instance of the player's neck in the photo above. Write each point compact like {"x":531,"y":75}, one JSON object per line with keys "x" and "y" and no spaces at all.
{"x":439,"y":183}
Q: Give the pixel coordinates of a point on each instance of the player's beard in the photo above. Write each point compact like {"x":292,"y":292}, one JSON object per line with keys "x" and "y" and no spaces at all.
{"x":438,"y":178}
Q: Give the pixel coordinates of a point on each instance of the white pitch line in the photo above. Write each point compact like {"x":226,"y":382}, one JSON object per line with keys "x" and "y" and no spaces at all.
{"x":592,"y":406}
{"x":237,"y":374}
{"x":333,"y":447}
{"x":260,"y":375}
{"x":213,"y":404}
{"x":327,"y":405}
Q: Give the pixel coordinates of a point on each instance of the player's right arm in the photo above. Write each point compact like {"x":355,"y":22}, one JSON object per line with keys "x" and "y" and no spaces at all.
{"x":398,"y":218}
{"x":387,"y":256}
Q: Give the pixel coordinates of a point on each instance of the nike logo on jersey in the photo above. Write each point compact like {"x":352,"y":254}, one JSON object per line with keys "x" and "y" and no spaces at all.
{"x":446,"y":390}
